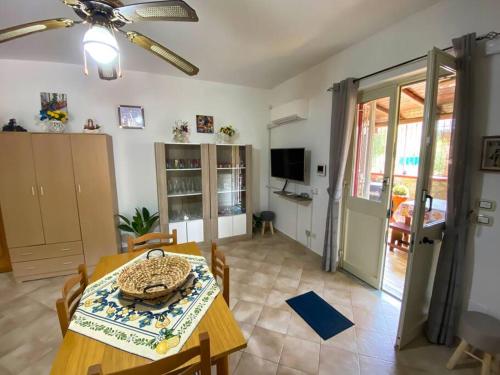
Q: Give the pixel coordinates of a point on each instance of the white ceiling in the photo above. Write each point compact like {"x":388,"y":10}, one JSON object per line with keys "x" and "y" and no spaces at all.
{"x":257,"y":43}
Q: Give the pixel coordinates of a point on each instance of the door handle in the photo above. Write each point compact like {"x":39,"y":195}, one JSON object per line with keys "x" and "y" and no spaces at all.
{"x":426,"y":240}
{"x":385,"y":183}
{"x":431,"y":200}
{"x":33,"y":190}
{"x":41,"y":190}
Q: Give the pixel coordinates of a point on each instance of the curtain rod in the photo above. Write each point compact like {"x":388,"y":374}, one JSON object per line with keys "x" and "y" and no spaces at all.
{"x":490,"y":35}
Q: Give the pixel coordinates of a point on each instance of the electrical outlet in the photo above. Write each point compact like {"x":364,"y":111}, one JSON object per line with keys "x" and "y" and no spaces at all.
{"x":308,"y":233}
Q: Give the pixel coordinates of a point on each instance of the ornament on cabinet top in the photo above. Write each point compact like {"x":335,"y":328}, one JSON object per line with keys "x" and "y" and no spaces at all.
{"x":181,"y":131}
{"x":54,"y":111}
{"x":91,"y":127}
{"x":13,"y":127}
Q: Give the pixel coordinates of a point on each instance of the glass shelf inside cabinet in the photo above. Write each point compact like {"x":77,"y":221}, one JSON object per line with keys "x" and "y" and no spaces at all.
{"x":184,"y":182}
{"x":231,"y":180}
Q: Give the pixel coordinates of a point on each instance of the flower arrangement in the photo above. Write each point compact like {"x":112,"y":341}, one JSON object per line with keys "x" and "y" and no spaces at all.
{"x":180,"y":131}
{"x":227,"y":130}
{"x":401,"y":190}
{"x":57,"y":115}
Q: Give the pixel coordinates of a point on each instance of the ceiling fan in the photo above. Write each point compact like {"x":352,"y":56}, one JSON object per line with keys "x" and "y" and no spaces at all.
{"x":107,"y":16}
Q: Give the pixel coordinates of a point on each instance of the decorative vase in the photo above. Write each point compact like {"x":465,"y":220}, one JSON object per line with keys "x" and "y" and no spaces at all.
{"x":181,"y":137}
{"x":56,"y":126}
{"x":224,"y":138}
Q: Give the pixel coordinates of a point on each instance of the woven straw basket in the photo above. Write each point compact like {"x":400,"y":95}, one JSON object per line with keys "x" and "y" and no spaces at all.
{"x":154,"y":277}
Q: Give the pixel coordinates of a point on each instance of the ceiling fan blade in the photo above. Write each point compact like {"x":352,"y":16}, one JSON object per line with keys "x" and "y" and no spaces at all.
{"x":34,"y":27}
{"x":170,"y":10}
{"x":162,"y":52}
{"x":71,"y":3}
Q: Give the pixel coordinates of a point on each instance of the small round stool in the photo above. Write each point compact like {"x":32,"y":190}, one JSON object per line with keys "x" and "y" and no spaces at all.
{"x":267,"y":217}
{"x":480,"y":331}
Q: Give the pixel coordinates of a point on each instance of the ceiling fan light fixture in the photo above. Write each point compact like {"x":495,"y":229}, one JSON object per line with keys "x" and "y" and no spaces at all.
{"x":100,"y":43}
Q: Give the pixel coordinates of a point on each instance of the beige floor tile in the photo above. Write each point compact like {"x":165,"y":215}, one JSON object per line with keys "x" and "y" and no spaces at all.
{"x":247,"y":329}
{"x":285,"y":284}
{"x":344,"y":340}
{"x":297,"y":327}
{"x":291,"y":272}
{"x":375,"y":344}
{"x":308,"y":286}
{"x":274,"y":319}
{"x":234,"y":359}
{"x":277,"y":300}
{"x":371,"y":320}
{"x":266,"y":344}
{"x":374,"y":366}
{"x":247,"y":312}
{"x":253,"y":365}
{"x":335,"y":360}
{"x":300,"y":355}
{"x":283,"y":370}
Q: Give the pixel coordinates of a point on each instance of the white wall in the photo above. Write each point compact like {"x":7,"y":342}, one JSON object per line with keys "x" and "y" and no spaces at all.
{"x":165,"y":99}
{"x":411,"y":37}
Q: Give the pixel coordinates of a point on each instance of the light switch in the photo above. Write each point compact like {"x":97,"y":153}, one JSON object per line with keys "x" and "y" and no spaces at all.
{"x":484,"y":204}
{"x":484,"y":220}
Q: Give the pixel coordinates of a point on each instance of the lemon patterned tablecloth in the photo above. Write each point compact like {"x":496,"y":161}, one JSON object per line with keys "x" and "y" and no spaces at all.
{"x":152,"y":329}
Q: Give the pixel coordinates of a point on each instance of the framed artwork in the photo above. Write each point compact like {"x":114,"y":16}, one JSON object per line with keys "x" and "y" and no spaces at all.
{"x":131,"y":117}
{"x":204,"y":124}
{"x":51,"y":101}
{"x":490,"y":158}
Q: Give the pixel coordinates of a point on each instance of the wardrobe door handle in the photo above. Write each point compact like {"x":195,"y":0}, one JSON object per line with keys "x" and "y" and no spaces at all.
{"x":33,"y":190}
{"x":79,"y":188}
{"x":41,"y":190}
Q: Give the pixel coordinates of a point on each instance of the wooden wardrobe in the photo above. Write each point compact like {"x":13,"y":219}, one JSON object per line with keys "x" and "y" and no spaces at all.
{"x":58,"y":201}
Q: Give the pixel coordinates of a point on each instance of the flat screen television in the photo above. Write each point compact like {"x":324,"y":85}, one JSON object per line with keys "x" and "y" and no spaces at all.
{"x":288,"y":163}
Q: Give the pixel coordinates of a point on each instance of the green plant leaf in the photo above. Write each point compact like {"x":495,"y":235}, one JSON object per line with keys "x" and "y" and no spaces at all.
{"x":125,"y":219}
{"x":125,"y":228}
{"x":145,"y":214}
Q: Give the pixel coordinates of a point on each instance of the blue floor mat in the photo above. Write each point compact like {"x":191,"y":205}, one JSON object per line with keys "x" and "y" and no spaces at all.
{"x":323,"y":318}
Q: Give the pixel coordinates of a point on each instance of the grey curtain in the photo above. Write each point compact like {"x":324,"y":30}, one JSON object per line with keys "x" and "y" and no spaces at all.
{"x":343,"y":111}
{"x":446,"y":301}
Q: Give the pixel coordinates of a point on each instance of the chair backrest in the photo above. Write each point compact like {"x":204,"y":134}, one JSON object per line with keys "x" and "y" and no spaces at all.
{"x":167,"y":365}
{"x":152,"y":241}
{"x":221,"y":269}
{"x":67,"y":304}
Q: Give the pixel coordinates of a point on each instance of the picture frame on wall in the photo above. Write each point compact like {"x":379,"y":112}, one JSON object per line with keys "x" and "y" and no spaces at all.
{"x":490,"y":158}
{"x":204,"y":124}
{"x":131,"y":117}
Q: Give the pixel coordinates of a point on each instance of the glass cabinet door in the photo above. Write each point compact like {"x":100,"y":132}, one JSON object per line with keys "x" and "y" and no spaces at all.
{"x":184,"y":182}
{"x":231,"y":180}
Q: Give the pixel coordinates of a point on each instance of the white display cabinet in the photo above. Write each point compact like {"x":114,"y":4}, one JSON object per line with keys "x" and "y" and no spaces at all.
{"x":182,"y":172}
{"x":231,"y":191}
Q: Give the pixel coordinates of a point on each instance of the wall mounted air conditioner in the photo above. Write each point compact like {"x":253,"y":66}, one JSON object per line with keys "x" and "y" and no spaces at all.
{"x":291,"y":111}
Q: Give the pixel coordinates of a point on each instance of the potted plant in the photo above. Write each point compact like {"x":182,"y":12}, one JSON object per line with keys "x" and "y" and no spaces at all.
{"x":226,"y":133}
{"x":181,"y":131}
{"x":140,"y":224}
{"x":400,"y":194}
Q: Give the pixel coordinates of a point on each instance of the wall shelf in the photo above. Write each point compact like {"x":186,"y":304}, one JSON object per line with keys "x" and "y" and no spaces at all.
{"x":293,"y":197}
{"x":231,"y":191}
{"x":229,"y":168}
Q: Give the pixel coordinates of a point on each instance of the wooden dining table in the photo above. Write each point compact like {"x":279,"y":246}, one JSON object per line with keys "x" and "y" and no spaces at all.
{"x":78,"y":352}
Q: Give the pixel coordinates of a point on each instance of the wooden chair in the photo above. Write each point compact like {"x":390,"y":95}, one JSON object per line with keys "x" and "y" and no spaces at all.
{"x":221,"y":269}
{"x":160,"y":239}
{"x":167,"y":365}
{"x":67,"y":305}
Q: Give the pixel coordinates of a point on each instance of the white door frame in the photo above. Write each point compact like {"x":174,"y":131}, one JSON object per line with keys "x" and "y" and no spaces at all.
{"x":423,"y":252}
{"x":369,"y":208}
